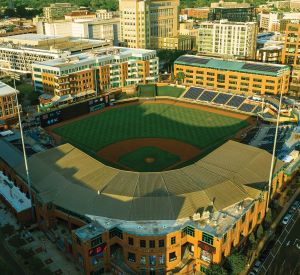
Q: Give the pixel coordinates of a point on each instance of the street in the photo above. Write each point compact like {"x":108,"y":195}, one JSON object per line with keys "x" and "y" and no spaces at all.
{"x":284,"y":257}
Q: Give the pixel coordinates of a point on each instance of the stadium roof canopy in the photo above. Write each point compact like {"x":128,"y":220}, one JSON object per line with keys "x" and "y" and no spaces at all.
{"x":232,"y":65}
{"x":74,"y":181}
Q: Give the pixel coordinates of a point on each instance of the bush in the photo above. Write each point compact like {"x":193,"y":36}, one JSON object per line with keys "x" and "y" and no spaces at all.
{"x":235,"y":263}
{"x":252,"y":241}
{"x":216,"y":270}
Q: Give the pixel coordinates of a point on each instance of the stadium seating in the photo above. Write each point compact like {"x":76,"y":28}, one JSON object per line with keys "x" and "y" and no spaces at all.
{"x":207,"y":96}
{"x":193,"y":93}
{"x":236,"y":101}
{"x":246,"y":107}
{"x":222,"y":98}
{"x":258,"y":109}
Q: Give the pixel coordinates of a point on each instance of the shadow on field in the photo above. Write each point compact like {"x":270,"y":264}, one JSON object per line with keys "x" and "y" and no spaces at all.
{"x":202,"y":129}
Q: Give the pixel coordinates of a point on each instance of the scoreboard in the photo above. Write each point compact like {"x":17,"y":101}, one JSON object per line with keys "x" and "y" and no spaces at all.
{"x":72,"y":111}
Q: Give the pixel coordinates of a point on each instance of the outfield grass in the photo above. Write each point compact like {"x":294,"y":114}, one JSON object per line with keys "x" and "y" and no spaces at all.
{"x":199,"y":128}
{"x":169,"y":91}
{"x":148,"y":90}
{"x":136,"y":160}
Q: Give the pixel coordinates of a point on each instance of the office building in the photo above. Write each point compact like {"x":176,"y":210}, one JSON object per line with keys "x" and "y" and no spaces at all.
{"x":225,"y":38}
{"x":232,"y":11}
{"x":196,"y":13}
{"x":269,"y":22}
{"x":95,"y":71}
{"x":233,"y":76}
{"x":57,"y":10}
{"x":8,"y":106}
{"x":18,"y":53}
{"x":291,"y":54}
{"x":108,"y":29}
{"x":144,"y":23}
{"x":80,"y":14}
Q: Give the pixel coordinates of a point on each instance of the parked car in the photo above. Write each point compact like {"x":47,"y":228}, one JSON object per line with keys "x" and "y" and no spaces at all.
{"x":251,"y":273}
{"x":256,"y":266}
{"x":286,"y":219}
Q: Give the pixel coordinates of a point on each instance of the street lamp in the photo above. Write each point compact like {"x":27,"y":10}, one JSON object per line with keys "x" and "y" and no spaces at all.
{"x":24,"y":151}
{"x":273,"y":154}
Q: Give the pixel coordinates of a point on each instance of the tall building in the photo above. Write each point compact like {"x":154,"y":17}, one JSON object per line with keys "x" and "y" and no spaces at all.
{"x":57,"y":10}
{"x":95,"y":71}
{"x":269,"y":21}
{"x":228,"y":38}
{"x":291,"y":54}
{"x":197,"y":13}
{"x":8,"y":106}
{"x":144,"y":23}
{"x":233,"y":11}
{"x":233,"y":76}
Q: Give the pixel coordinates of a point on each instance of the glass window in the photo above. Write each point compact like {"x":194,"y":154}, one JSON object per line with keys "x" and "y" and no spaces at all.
{"x":173,"y":240}
{"x":152,"y":243}
{"x":152,"y":260}
{"x":115,"y":232}
{"x":207,"y":238}
{"x":161,"y":243}
{"x":131,"y":257}
{"x":130,"y":241}
{"x":143,"y":260}
{"x":96,"y":241}
{"x":188,"y":231}
{"x":142,"y":243}
{"x":172,"y":256}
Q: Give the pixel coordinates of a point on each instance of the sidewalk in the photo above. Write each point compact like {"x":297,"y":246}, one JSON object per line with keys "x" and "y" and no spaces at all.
{"x":270,"y":232}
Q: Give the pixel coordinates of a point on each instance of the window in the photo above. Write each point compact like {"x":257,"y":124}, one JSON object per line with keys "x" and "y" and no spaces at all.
{"x":224,"y":238}
{"x":207,"y":238}
{"x":96,"y":241}
{"x":142,"y":243}
{"x":173,"y":240}
{"x":252,"y":208}
{"x":131,"y":257}
{"x":161,"y":243}
{"x":130,"y":241}
{"x":78,"y":241}
{"x":188,"y":231}
{"x":258,"y":216}
{"x":172,"y":256}
{"x":152,"y":243}
{"x":221,"y":78}
{"x":152,"y":260}
{"x":115,"y":232}
{"x":143,"y":260}
{"x":162,"y":259}
{"x":243,"y":218}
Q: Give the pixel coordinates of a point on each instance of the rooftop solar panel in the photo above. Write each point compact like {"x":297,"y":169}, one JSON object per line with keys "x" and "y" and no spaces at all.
{"x":260,"y":67}
{"x":192,"y":59}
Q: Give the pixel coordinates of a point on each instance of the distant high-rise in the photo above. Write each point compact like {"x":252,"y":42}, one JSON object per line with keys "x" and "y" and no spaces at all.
{"x":57,"y":10}
{"x":228,"y":38}
{"x":145,"y":22}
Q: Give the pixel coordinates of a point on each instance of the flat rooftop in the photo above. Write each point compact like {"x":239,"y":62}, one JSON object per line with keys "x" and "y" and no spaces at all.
{"x":95,"y":54}
{"x":6,"y":90}
{"x":13,"y":194}
{"x":32,"y":37}
{"x":232,"y":65}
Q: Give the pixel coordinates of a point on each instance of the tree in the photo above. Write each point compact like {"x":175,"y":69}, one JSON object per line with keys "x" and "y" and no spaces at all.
{"x":260,"y":232}
{"x":252,"y":241}
{"x":268,"y":219}
{"x":216,"y":270}
{"x":236,"y":263}
{"x":180,"y":77}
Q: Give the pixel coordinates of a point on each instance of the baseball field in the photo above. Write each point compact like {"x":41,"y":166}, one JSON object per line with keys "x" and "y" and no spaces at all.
{"x":151,"y":136}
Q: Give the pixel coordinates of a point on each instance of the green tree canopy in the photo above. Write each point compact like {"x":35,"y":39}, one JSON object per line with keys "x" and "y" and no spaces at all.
{"x":216,"y":270}
{"x":235,"y":263}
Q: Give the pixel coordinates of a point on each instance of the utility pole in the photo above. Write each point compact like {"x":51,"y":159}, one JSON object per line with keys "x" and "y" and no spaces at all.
{"x":273,"y":154}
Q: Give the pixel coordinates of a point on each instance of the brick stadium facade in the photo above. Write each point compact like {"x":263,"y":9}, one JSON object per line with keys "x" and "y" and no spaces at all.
{"x":155,"y":228}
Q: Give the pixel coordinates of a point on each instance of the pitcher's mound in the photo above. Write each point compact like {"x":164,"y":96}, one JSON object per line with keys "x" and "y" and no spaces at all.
{"x":149,"y":160}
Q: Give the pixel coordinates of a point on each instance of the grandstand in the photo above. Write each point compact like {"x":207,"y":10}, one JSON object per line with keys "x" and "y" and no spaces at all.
{"x":239,"y":103}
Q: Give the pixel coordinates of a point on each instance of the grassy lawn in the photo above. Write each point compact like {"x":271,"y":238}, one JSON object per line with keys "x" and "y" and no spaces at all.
{"x":149,"y":159}
{"x":147,"y":90}
{"x":169,"y":91}
{"x":199,"y":128}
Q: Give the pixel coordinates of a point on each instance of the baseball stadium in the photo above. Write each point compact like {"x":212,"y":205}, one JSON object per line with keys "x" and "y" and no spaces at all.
{"x":157,"y":182}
